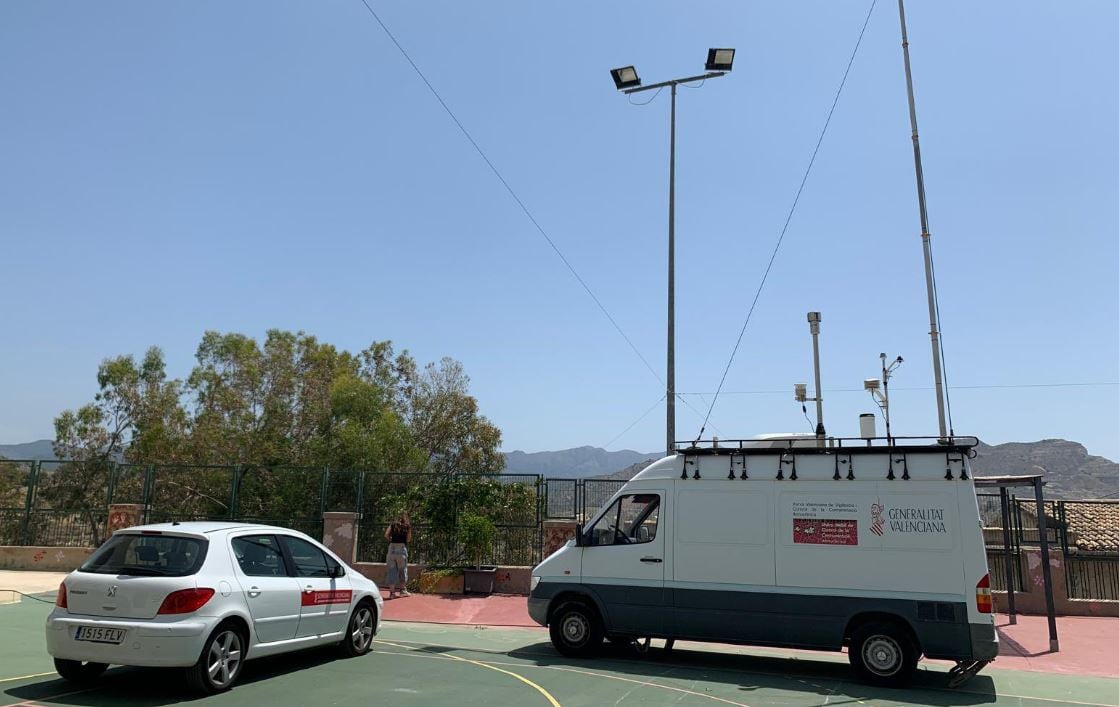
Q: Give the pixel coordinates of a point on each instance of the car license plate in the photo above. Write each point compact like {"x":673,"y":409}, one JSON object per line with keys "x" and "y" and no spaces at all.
{"x":97,"y":634}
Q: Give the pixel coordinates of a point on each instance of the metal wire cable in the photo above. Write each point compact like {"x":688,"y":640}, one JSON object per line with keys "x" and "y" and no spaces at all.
{"x":635,"y":422}
{"x":788,"y":218}
{"x":645,"y":103}
{"x":508,"y":188}
{"x":991,"y":386}
{"x":29,"y":596}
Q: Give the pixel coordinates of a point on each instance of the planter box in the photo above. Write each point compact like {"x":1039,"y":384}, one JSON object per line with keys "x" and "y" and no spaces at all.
{"x":479,"y":580}
{"x":438,"y":583}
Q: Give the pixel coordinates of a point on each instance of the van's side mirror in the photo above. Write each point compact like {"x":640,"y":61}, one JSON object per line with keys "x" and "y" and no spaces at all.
{"x":578,"y":535}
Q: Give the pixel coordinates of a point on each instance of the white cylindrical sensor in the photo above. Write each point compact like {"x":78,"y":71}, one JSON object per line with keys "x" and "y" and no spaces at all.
{"x":866,"y":426}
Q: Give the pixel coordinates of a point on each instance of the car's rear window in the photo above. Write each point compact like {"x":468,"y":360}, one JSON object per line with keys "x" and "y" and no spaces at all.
{"x":148,"y":555}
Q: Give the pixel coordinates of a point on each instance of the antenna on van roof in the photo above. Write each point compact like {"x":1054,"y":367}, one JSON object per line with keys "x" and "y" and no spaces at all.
{"x":879,"y":390}
{"x":800,"y":390}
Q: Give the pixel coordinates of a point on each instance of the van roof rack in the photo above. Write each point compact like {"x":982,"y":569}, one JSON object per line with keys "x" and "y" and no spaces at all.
{"x":802,"y":444}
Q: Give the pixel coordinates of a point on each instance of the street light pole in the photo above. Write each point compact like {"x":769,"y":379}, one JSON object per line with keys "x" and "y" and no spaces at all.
{"x":624,"y":81}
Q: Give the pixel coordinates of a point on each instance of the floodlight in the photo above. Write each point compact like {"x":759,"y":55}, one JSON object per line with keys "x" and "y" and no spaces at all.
{"x":800,"y":392}
{"x":871,"y":384}
{"x":625,"y":77}
{"x":720,"y":59}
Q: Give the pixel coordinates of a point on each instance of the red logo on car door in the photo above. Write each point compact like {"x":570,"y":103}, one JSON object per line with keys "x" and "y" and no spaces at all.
{"x":329,"y":596}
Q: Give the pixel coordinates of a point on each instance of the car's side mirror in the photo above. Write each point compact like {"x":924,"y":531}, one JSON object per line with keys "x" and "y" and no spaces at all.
{"x":578,"y":535}
{"x":336,"y":571}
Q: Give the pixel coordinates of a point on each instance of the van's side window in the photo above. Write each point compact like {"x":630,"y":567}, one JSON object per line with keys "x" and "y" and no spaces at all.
{"x":630,"y":520}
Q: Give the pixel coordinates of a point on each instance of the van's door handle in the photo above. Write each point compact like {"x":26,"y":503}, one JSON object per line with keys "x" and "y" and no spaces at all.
{"x":651,"y":559}
{"x":253,"y":592}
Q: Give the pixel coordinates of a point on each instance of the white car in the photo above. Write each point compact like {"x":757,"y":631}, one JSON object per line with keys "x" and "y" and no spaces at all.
{"x":207,"y":597}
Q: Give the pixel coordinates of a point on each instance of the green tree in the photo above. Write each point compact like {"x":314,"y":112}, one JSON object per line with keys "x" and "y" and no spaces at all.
{"x":437,"y":408}
{"x":289,"y":402}
{"x":136,"y":412}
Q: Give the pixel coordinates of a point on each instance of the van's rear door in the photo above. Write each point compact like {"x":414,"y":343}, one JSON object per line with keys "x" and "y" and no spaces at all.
{"x":624,"y":560}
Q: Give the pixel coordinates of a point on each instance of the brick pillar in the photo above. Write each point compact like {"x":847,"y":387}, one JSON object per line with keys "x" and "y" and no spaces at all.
{"x":556,"y":534}
{"x":339,"y":534}
{"x":125,"y":515}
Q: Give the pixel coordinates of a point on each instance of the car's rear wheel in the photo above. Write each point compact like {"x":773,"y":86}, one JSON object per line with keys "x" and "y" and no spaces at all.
{"x":221,"y":661}
{"x":883,"y":654}
{"x":79,"y":671}
{"x":359,"y":632}
{"x":575,"y":629}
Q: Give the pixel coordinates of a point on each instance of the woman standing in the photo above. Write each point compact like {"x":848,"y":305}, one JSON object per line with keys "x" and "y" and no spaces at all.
{"x":399,"y":534}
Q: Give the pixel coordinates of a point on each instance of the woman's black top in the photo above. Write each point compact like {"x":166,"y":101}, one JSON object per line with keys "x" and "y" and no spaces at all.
{"x":398,"y":533}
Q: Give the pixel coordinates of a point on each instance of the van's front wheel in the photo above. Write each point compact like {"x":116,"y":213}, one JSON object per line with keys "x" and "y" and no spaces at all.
{"x":575,"y":629}
{"x":883,"y":654}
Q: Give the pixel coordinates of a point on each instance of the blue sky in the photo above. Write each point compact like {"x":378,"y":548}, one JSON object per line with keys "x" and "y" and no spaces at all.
{"x":167,"y":168}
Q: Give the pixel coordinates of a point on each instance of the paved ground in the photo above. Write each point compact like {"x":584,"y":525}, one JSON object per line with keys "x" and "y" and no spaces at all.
{"x":1088,"y":645}
{"x":426,"y":664}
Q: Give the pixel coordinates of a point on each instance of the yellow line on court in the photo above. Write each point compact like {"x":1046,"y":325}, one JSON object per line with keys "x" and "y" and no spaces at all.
{"x":420,"y":653}
{"x":547,"y":695}
{"x":930,"y":688}
{"x":27,"y":677}
{"x":643,"y":682}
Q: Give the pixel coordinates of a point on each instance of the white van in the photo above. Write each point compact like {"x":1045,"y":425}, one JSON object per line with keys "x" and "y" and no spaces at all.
{"x":783,"y":543}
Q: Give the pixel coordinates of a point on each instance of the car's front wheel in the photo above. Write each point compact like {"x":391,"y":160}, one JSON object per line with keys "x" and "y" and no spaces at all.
{"x":221,"y":661}
{"x":359,"y":633}
{"x":78,"y":671}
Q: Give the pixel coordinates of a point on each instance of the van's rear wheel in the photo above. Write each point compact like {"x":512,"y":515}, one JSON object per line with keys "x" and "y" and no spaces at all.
{"x":78,"y":672}
{"x":575,"y":629}
{"x":883,"y":654}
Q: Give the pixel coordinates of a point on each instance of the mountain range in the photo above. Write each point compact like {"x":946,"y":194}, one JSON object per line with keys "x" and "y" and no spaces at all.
{"x":1069,"y":471}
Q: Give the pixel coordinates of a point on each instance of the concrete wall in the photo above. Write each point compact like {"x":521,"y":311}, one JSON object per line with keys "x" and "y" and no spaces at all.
{"x":43,"y":559}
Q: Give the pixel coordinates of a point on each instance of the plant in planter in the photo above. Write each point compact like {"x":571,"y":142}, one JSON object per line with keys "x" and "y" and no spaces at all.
{"x":477,"y":534}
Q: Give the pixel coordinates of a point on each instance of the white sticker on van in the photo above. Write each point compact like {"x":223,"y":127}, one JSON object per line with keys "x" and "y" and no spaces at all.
{"x":887,"y":521}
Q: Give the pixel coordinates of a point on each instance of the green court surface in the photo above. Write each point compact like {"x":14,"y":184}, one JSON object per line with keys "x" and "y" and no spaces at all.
{"x":426,"y":664}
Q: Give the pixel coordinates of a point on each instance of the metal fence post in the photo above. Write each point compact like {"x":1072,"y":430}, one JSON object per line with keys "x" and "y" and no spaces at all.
{"x":32,"y":482}
{"x":234,"y":491}
{"x":113,"y":470}
{"x":324,"y":488}
{"x":1008,"y":554}
{"x":149,"y":490}
{"x":1046,"y":572}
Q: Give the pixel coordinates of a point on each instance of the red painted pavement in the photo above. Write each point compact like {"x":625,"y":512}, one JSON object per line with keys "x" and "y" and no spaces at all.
{"x":1088,"y":644}
{"x":494,"y":610}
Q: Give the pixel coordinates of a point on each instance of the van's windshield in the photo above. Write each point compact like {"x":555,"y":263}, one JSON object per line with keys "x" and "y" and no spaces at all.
{"x":148,"y":555}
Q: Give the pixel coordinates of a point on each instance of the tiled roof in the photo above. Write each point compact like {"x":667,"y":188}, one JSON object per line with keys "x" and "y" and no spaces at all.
{"x":1094,"y":523}
{"x":1092,"y":526}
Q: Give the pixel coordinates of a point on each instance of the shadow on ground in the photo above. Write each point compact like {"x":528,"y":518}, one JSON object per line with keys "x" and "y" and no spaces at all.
{"x":152,"y":687}
{"x":828,"y":679}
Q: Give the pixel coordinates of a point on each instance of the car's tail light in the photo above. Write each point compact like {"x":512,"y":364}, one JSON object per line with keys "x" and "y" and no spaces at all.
{"x":983,"y":595}
{"x":60,"y":600}
{"x":185,"y":601}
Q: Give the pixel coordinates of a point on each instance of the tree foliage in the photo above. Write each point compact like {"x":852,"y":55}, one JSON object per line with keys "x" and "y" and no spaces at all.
{"x":291,"y":401}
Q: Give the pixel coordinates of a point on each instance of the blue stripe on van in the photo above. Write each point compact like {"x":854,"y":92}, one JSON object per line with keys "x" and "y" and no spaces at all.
{"x":771,"y":618}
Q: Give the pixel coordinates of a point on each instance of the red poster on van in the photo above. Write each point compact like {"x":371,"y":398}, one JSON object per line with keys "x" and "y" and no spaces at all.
{"x":815,"y":531}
